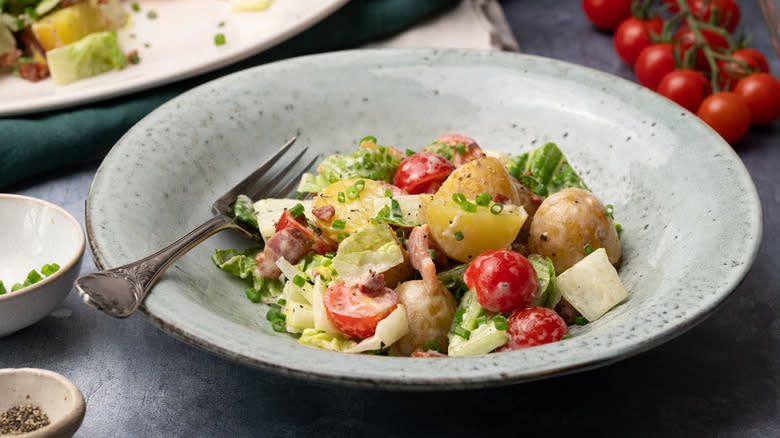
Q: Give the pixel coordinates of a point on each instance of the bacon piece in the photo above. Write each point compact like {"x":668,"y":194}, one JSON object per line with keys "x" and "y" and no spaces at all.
{"x":372,"y":283}
{"x":9,"y":59}
{"x":428,"y":353}
{"x":290,"y":243}
{"x":418,"y":249}
{"x":324,"y":213}
{"x":33,"y":71}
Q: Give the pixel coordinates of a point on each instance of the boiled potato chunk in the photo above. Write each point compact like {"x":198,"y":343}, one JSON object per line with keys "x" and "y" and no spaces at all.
{"x":592,"y":286}
{"x":463,"y":235}
{"x":429,"y":316}
{"x":566,"y":222}
{"x":485,"y":174}
{"x":356,"y":210}
{"x":68,"y":25}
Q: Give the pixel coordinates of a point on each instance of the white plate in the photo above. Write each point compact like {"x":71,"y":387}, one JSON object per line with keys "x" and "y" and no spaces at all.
{"x":690,"y":213}
{"x":177,"y":44}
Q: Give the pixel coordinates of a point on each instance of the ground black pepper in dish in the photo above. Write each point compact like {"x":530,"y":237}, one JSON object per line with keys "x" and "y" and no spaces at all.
{"x":22,"y":419}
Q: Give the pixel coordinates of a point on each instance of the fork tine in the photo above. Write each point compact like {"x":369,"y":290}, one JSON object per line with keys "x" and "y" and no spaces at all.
{"x":283,"y":171}
{"x":292,"y":180}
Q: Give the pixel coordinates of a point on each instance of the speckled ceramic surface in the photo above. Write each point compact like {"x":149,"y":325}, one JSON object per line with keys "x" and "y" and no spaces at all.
{"x":34,"y":232}
{"x":690,"y":212}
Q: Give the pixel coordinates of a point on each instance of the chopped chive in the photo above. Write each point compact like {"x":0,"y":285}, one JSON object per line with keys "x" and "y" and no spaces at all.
{"x":481,"y":319}
{"x":460,"y":148}
{"x":299,"y":281}
{"x":459,"y":315}
{"x":341,"y":197}
{"x":619,"y":229}
{"x":497,"y":208}
{"x":281,"y":301}
{"x":484,"y":199}
{"x":469,"y":207}
{"x":459,"y":198}
{"x":500,"y":322}
{"x":410,"y":152}
{"x":588,"y":249}
{"x":580,"y":320}
{"x":296,"y":210}
{"x":299,"y":196}
{"x":460,"y":331}
{"x":342,"y":236}
{"x":338,"y":224}
{"x":432,"y":252}
{"x":566,"y":336}
{"x":388,"y":193}
{"x":50,"y":268}
{"x":221,"y":24}
{"x":133,"y":58}
{"x":458,"y":236}
{"x":151,"y":15}
{"x":370,"y":138}
{"x":609,"y":210}
{"x":135,"y":7}
{"x":219,"y":39}
{"x":330,"y":255}
{"x":431,"y":345}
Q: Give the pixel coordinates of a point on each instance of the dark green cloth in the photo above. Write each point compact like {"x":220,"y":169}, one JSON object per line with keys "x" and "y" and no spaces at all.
{"x":35,"y":144}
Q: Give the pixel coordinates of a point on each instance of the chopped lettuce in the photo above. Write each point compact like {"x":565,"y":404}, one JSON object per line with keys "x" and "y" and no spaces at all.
{"x":242,"y":265}
{"x":377,"y":163}
{"x":389,"y":330}
{"x":545,"y":273}
{"x":325,"y":340}
{"x":373,"y":247}
{"x":545,"y":171}
{"x":94,"y":54}
{"x":475,"y":330}
{"x":244,"y":211}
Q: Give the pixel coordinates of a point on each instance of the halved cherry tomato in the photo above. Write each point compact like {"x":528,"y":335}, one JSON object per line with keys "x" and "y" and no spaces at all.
{"x":687,"y":88}
{"x":355,"y":313}
{"x":502,"y":280}
{"x":727,"y":113}
{"x":606,"y":14}
{"x":761,"y":92}
{"x":633,"y":35}
{"x":533,"y":326}
{"x":687,"y":40}
{"x":423,"y":172}
{"x":320,"y":244}
{"x":653,"y":63}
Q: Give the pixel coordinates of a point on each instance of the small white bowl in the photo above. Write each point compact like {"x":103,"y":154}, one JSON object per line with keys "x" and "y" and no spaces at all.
{"x":34,"y":233}
{"x":53,"y":393}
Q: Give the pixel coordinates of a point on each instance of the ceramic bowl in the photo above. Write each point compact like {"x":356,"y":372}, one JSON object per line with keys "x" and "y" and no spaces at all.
{"x":53,"y":393}
{"x":690,"y":213}
{"x":35,"y":233}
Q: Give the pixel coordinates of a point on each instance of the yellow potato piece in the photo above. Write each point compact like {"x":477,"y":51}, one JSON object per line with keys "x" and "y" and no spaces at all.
{"x":355,"y":211}
{"x":463,"y":235}
{"x":485,"y":174}
{"x":68,"y":25}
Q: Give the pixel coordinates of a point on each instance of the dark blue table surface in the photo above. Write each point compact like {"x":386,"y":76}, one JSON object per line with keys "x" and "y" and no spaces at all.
{"x":718,"y":379}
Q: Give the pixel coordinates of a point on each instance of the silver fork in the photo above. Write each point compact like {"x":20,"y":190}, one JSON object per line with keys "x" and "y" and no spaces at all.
{"x":121,"y":290}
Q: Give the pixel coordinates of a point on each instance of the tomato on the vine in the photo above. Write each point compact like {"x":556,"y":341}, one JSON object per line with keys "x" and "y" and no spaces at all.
{"x":356,"y":313}
{"x":635,"y":34}
{"x":502,"y":280}
{"x":607,"y":14}
{"x":687,"y":40}
{"x":727,"y":113}
{"x":653,"y":63}
{"x":741,"y":63}
{"x":723,"y":13}
{"x":688,"y":88}
{"x":533,"y":326}
{"x":423,"y":172}
{"x":761,"y":92}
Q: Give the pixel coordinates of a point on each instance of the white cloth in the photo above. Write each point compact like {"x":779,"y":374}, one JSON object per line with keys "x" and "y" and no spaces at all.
{"x":472,"y":24}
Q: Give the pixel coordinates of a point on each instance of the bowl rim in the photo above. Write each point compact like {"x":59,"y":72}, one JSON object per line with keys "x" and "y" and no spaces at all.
{"x":64,"y":268}
{"x":76,"y":409}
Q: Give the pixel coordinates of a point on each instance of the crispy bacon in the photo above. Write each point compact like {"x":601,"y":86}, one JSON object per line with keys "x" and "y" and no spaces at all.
{"x":418,"y":249}
{"x":290,"y":243}
{"x":9,"y":59}
{"x":33,"y":71}
{"x":371,"y":283}
{"x":324,"y":213}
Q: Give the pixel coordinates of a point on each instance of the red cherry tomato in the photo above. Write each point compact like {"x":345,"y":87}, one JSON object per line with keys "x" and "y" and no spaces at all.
{"x":502,"y":280}
{"x":687,"y":40}
{"x":320,"y":245}
{"x":633,"y":35}
{"x":533,"y":326}
{"x":687,"y":88}
{"x":727,"y":113}
{"x":606,"y":14}
{"x":761,"y":92}
{"x":744,"y":62}
{"x":423,"y":172}
{"x":726,"y":13}
{"x":355,"y":313}
{"x":653,"y":63}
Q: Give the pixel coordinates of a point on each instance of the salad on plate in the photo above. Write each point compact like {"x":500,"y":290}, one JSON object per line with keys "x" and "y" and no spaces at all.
{"x":452,"y":250}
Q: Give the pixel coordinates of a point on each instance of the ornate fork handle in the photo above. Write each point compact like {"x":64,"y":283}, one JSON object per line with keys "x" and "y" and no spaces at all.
{"x":120,"y":291}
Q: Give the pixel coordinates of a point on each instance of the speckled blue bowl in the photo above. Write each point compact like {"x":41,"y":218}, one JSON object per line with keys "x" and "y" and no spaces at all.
{"x":690,"y":212}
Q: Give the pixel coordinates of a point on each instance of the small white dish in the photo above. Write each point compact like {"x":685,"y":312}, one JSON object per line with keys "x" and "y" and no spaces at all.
{"x":53,"y":393}
{"x":34,"y":233}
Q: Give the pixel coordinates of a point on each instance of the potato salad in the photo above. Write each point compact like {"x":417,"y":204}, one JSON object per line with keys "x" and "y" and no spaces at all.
{"x":447,"y":250}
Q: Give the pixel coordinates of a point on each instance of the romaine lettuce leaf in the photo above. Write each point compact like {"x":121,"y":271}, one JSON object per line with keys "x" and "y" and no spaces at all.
{"x":545,"y":171}
{"x":372,"y":247}
{"x":377,"y":163}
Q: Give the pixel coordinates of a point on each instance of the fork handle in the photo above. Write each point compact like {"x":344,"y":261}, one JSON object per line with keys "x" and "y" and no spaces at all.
{"x":120,"y":291}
